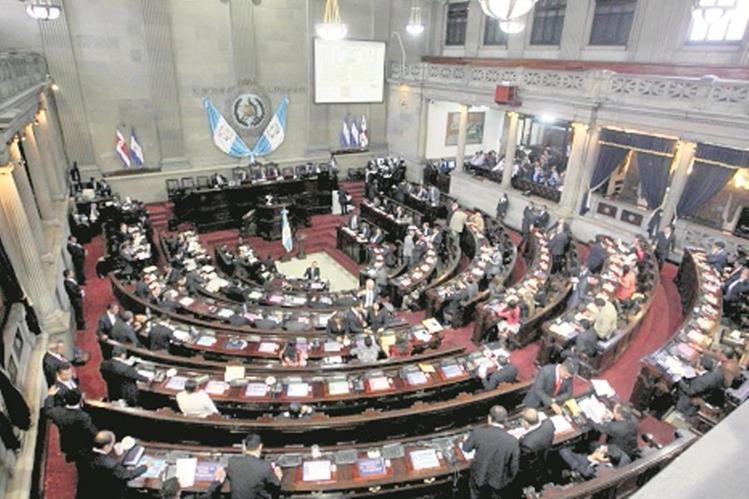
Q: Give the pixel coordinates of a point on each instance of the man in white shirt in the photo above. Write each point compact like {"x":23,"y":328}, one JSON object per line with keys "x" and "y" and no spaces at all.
{"x":195,"y":403}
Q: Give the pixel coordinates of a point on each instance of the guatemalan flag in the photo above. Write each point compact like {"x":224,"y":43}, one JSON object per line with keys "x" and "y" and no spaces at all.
{"x":120,"y":148}
{"x":345,"y":135}
{"x":286,"y":239}
{"x":136,"y":151}
{"x":274,"y":133}
{"x":224,"y":135}
{"x":354,"y":134}
{"x":363,"y":135}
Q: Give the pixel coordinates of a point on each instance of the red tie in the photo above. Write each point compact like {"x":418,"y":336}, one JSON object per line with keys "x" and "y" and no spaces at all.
{"x":557,"y":385}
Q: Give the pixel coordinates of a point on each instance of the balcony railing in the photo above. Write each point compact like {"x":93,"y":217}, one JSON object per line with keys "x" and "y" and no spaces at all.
{"x":19,"y":72}
{"x":598,"y":86}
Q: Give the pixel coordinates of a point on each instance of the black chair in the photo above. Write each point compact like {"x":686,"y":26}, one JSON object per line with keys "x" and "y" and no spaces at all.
{"x":172,"y":187}
{"x":203,"y":181}
{"x":301,"y":171}
{"x":188,"y":183}
{"x":288,"y":172}
{"x":237,"y":174}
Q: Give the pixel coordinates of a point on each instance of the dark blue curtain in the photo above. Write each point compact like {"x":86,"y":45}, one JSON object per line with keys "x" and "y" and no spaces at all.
{"x":637,"y":140}
{"x":653,"y":172}
{"x":734,"y":157}
{"x":704,"y":182}
{"x":609,"y":158}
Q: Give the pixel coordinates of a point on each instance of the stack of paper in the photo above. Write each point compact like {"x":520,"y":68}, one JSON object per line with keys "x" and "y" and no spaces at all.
{"x":338,"y":387}
{"x":186,"y":471}
{"x":378,"y":384}
{"x":313,"y":471}
{"x":594,"y":409}
{"x":603,"y":388}
{"x":561,"y":425}
{"x":424,"y":459}
{"x":256,"y":390}
{"x":298,"y":390}
{"x":216,"y":387}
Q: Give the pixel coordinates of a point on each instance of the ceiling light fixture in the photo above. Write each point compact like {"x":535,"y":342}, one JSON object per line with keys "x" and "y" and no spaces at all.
{"x":512,"y":27}
{"x":415,"y":27}
{"x":505,"y":10}
{"x":331,"y":28}
{"x":43,"y":10}
{"x":711,"y":12}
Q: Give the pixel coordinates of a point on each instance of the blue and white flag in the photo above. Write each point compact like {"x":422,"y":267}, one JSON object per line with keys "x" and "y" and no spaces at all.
{"x":286,"y":239}
{"x":274,"y":133}
{"x":354,"y":134}
{"x":136,"y":151}
{"x":224,"y":135}
{"x":345,"y":135}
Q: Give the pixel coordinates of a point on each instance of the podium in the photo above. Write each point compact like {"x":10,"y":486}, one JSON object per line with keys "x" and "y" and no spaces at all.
{"x":268,"y":220}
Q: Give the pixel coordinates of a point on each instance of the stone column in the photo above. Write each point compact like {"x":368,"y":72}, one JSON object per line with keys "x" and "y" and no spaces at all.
{"x":511,"y":145}
{"x":55,"y":129}
{"x":28,"y":203}
{"x":462,"y":127}
{"x":17,"y":233}
{"x":577,"y":167}
{"x":50,"y":155}
{"x":683,"y":162}
{"x":39,"y":174}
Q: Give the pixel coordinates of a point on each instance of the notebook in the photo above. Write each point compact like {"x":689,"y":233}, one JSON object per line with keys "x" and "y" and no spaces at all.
{"x":298,"y":390}
{"x":256,"y":390}
{"x":313,"y":471}
{"x":378,"y":384}
{"x":424,"y":459}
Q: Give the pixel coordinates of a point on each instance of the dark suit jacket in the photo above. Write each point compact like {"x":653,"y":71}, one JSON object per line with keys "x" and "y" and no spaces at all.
{"x":353,"y":324}
{"x":77,"y":254}
{"x":159,"y":337}
{"x":105,"y":324}
{"x":381,"y":319}
{"x":623,"y":434}
{"x":124,"y":333}
{"x":542,"y":390}
{"x":59,"y":398}
{"x":312,"y":273}
{"x":718,"y":260}
{"x":506,"y":374}
{"x":558,"y":244}
{"x":587,"y":342}
{"x":733,"y":293}
{"x":251,"y":478}
{"x":121,"y":380}
{"x":105,"y":476}
{"x":596,"y":257}
{"x":75,"y":428}
{"x":141,"y":290}
{"x":74,"y":292}
{"x":497,"y":455}
{"x":49,"y":365}
{"x":538,"y":440}
{"x":267,"y":324}
{"x":663,"y":245}
{"x":704,"y":383}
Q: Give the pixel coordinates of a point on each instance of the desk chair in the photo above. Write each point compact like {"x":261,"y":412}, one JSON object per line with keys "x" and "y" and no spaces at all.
{"x":203,"y":181}
{"x":188,"y":183}
{"x":172,"y":187}
{"x":287,"y":172}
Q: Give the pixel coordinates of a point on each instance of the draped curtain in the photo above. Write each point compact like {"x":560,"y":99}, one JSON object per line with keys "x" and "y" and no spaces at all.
{"x":653,"y":173}
{"x":609,"y":158}
{"x":705,"y":181}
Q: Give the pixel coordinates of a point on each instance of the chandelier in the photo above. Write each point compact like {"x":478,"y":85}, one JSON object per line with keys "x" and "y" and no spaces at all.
{"x":506,"y":10}
{"x":415,"y":27}
{"x":331,"y":28}
{"x":43,"y":10}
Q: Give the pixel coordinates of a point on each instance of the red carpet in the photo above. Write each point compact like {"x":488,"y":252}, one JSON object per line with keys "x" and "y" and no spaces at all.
{"x":60,"y":476}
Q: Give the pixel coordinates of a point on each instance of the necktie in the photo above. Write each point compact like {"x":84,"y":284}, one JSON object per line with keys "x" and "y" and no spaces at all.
{"x":557,"y":385}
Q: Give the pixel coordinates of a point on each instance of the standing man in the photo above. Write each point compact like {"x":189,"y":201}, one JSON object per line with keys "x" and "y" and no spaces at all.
{"x":502,"y":205}
{"x":121,"y":377}
{"x":558,"y":247}
{"x":457,"y":220}
{"x":313,"y":272}
{"x":78,"y":255}
{"x":105,"y":474}
{"x":75,"y":295}
{"x":664,"y":244}
{"x":251,"y":476}
{"x":495,"y":463}
{"x":53,"y":358}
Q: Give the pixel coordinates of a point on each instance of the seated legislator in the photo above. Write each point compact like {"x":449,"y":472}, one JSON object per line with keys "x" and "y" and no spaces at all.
{"x":497,"y":456}
{"x":510,"y":323}
{"x":355,"y":319}
{"x":104,"y":473}
{"x":586,"y":466}
{"x":606,"y":318}
{"x":586,"y":341}
{"x":109,"y":319}
{"x":194,"y":402}
{"x":251,"y":476}
{"x":626,"y":285}
{"x":506,"y":373}
{"x":293,"y":355}
{"x":123,"y":330}
{"x":368,"y":352}
{"x":379,"y":316}
{"x":717,"y":256}
{"x":336,"y":325}
{"x":553,"y":384}
{"x":121,"y":377}
{"x":538,"y":437}
{"x":620,"y":428}
{"x":691,"y":392}
{"x":159,"y":336}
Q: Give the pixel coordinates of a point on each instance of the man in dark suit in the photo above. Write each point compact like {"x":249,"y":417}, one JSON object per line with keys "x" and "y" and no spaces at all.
{"x":506,"y":373}
{"x":587,"y":465}
{"x":75,"y":295}
{"x":171,"y":488}
{"x":121,"y":377}
{"x":53,"y":358}
{"x":379,"y":316}
{"x":691,"y":391}
{"x":717,"y":256}
{"x":586,"y":341}
{"x":664,"y":244}
{"x":502,"y":205}
{"x":596,"y":255}
{"x":538,"y":437}
{"x":313,"y":272}
{"x":64,"y":383}
{"x":495,"y":463}
{"x":78,"y":256}
{"x":74,"y":424}
{"x":736,"y":285}
{"x":558,"y":247}
{"x":355,"y":321}
{"x":542,"y":218}
{"x":529,"y":218}
{"x":159,"y":336}
{"x":104,"y":474}
{"x":142,"y":287}
{"x":123,"y":331}
{"x":251,"y":476}
{"x":553,"y":384}
{"x":621,"y":431}
{"x":109,"y":319}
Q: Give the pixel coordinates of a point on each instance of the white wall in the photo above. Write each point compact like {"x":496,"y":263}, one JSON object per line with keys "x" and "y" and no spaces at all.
{"x":437,"y":129}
